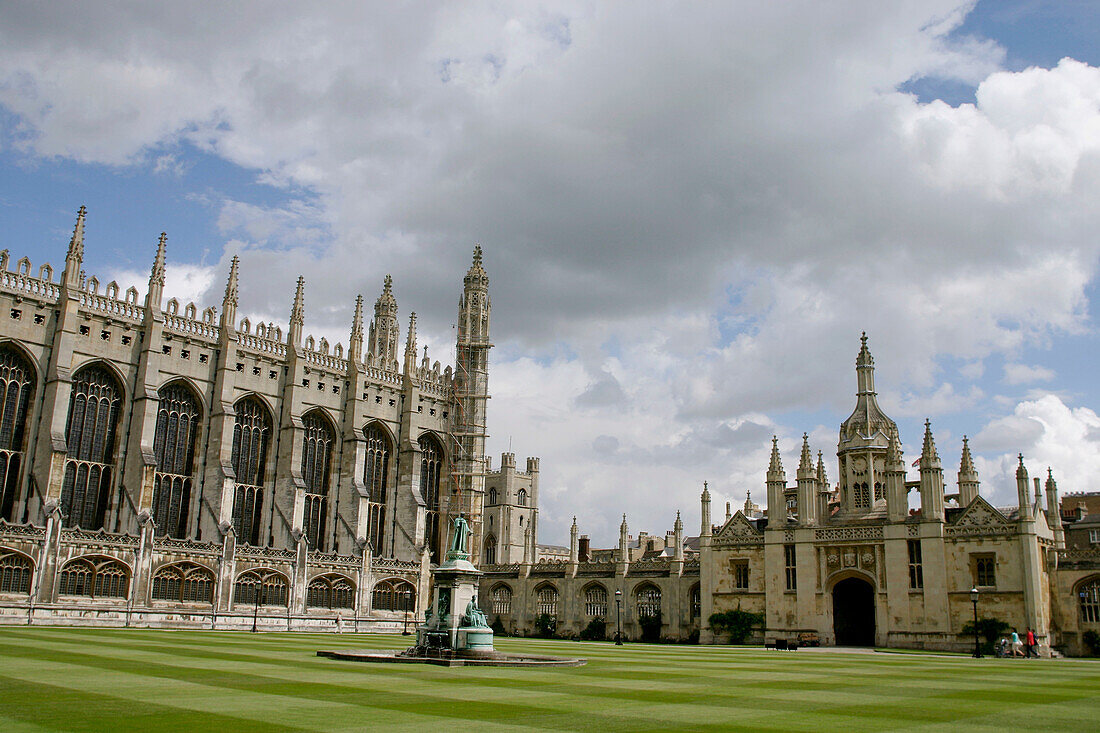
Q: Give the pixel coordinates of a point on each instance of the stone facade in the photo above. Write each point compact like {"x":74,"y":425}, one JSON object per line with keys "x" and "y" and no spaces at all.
{"x":841,"y":563}
{"x":166,"y":465}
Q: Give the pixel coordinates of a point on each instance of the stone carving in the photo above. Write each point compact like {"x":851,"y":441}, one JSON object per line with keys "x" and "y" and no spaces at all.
{"x":474,"y":616}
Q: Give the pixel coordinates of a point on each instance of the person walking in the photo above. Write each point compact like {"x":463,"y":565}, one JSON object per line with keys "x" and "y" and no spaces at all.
{"x":1030,"y":641}
{"x":1017,"y":645}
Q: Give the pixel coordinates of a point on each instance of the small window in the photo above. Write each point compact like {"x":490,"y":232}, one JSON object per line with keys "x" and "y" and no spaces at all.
{"x":740,"y":574}
{"x":125,"y":339}
{"x":985,"y":573}
{"x":1090,"y":601}
{"x":916,"y":571}
{"x":16,"y":314}
{"x":1094,"y":536}
{"x":791,"y":567}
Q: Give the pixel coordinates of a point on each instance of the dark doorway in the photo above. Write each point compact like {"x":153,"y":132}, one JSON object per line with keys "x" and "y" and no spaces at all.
{"x":854,"y":613}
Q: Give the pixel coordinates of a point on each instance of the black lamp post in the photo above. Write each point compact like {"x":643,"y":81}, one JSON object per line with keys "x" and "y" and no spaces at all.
{"x":256,"y":611}
{"x":405,"y":625}
{"x":619,"y":618}
{"x":974,"y":600}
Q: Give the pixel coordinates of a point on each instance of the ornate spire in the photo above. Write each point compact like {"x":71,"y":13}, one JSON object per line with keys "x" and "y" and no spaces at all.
{"x":355,"y":341}
{"x":75,"y":256}
{"x":966,"y":465}
{"x":775,"y":467}
{"x":410,"y":346}
{"x":706,"y":492}
{"x":822,"y":476}
{"x":678,"y":525}
{"x":156,"y":275}
{"x":297,"y":314}
{"x":806,"y":460}
{"x":1051,"y":485}
{"x":229,"y":301}
{"x":76,"y":243}
{"x":928,"y":455}
{"x":893,"y":454}
{"x":868,"y":425}
{"x":476,"y":276}
{"x":1021,"y":470}
{"x":382,"y":344}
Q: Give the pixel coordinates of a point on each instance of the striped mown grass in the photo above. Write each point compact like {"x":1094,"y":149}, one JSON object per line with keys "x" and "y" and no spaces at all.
{"x":150,"y":680}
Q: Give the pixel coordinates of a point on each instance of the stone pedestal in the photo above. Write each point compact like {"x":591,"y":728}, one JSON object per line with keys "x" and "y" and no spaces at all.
{"x":454,"y":622}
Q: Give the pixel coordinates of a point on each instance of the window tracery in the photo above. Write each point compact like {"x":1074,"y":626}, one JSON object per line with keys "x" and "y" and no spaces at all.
{"x":251,"y":437}
{"x":174,"y":443}
{"x":16,"y":389}
{"x":94,"y":407}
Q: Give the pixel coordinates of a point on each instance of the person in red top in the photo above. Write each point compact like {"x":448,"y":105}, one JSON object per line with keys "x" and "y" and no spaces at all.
{"x":1031,"y":650}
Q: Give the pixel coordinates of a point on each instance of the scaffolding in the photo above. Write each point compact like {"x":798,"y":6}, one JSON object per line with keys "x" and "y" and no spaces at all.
{"x":467,"y":435}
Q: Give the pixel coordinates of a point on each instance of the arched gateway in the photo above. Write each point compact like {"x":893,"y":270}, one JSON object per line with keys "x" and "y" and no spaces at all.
{"x":854,"y":612}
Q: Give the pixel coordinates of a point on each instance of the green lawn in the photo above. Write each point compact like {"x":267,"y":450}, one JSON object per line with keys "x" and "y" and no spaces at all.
{"x":136,"y":680}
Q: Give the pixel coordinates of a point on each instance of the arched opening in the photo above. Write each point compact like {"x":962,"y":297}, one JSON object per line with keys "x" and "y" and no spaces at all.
{"x":183,"y":582}
{"x":94,"y":407}
{"x":174,"y":443}
{"x":94,"y":577}
{"x":547,"y":600}
{"x":261,"y":587}
{"x":595,"y":601}
{"x":502,"y":599}
{"x":251,"y":437}
{"x":1088,"y":593}
{"x":16,"y":570}
{"x":316,"y":470}
{"x":332,"y":591}
{"x":376,"y":479}
{"x":16,"y":388}
{"x":490,"y":550}
{"x":393,"y":595}
{"x":854,"y":612}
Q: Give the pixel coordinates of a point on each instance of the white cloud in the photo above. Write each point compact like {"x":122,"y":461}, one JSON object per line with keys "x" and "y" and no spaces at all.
{"x":688,"y":217}
{"x":1024,"y":374}
{"x":1049,"y":433}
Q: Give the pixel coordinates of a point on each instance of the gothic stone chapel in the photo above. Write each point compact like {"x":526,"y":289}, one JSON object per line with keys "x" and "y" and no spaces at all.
{"x":162,"y":465}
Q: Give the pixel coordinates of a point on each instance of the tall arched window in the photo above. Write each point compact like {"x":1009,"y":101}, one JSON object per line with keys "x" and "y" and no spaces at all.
{"x":261,"y":588}
{"x":16,"y":389}
{"x":595,"y":601}
{"x":15,"y":572}
{"x":316,"y":467}
{"x":502,"y":599}
{"x":174,"y":446}
{"x":492,"y":496}
{"x":90,"y":439}
{"x":547,"y":600}
{"x":184,"y":582}
{"x":94,"y":577}
{"x":521,"y":497}
{"x":251,"y":436}
{"x":490,"y":550}
{"x":1089,"y":593}
{"x":376,"y":479}
{"x":431,"y":464}
{"x":393,"y":595}
{"x":649,"y":601}
{"x":696,"y":602}
{"x":330,"y":591}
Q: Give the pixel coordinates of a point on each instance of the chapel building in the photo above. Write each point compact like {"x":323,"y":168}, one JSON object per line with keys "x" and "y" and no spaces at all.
{"x":162,"y":465}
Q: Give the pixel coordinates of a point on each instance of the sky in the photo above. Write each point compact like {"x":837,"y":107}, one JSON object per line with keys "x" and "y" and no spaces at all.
{"x":689,"y":213}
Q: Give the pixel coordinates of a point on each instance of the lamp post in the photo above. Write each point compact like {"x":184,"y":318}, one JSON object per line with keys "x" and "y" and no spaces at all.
{"x":974,"y":600}
{"x":405,"y":625}
{"x":256,"y":608}
{"x":618,"y":618}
